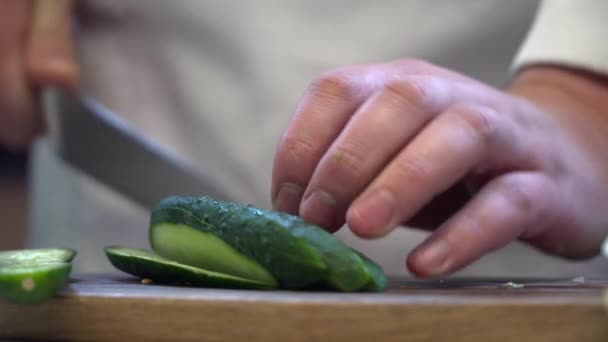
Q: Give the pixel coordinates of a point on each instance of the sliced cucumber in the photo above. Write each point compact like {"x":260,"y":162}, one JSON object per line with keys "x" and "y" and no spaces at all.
{"x":293,"y":261}
{"x":197,"y":248}
{"x":297,"y":253}
{"x":31,"y":276}
{"x":347,"y":272}
{"x":144,"y":264}
{"x":34,"y":283}
{"x":378,"y":281}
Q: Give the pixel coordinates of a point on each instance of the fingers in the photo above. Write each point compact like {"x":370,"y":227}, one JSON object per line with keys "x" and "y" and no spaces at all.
{"x":506,"y":208}
{"x":50,"y":56}
{"x":327,"y":106}
{"x":385,"y":123}
{"x":450,"y":147}
{"x":18,"y":123}
{"x":325,"y":109}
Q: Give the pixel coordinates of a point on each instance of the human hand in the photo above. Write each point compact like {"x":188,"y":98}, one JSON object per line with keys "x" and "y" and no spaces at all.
{"x":373,"y":145}
{"x":35,"y":51}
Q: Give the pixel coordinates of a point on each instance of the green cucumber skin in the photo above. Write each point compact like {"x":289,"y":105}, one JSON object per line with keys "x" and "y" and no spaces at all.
{"x":347,"y":271}
{"x":46,"y":270}
{"x":378,"y":281}
{"x":46,"y":278}
{"x":144,"y":264}
{"x":190,"y":246}
{"x":305,"y":266}
{"x":314,"y":256}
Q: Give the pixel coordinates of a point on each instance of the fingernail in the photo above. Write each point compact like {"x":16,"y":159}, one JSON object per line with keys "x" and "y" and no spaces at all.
{"x":374,"y":213}
{"x":288,"y":198}
{"x":319,"y":208}
{"x":434,"y":258}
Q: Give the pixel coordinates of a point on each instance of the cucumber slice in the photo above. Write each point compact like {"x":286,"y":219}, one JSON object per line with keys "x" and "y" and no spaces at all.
{"x":144,"y":264}
{"x":378,"y":281}
{"x":297,"y":253}
{"x":31,"y":276}
{"x":291,"y":260}
{"x":347,"y":271}
{"x":197,"y":248}
{"x":23,"y":283}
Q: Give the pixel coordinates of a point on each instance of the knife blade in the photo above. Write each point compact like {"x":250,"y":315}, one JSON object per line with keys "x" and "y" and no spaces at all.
{"x":90,"y":137}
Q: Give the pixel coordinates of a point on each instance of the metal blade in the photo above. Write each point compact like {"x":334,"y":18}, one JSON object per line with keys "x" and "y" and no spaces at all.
{"x":93,"y":139}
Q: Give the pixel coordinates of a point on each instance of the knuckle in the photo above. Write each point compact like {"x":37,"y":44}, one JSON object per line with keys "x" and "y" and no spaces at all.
{"x":295,"y":149}
{"x":481,"y":120}
{"x":476,"y":231}
{"x":409,"y":91}
{"x":523,"y":192}
{"x":413,"y":169}
{"x":346,"y":164}
{"x":333,"y":85}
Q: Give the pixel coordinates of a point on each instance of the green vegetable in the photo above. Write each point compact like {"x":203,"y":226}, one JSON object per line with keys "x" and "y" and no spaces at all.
{"x":193,"y":247}
{"x":297,"y":253}
{"x":378,"y":281}
{"x":206,"y":242}
{"x":35,"y":275}
{"x":144,"y":264}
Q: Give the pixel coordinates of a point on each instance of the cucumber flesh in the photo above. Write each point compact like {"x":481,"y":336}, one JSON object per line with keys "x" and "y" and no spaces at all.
{"x":250,"y":231}
{"x":193,"y":247}
{"x":31,"y":276}
{"x":37,"y":255}
{"x":32,"y":283}
{"x":145,"y":264}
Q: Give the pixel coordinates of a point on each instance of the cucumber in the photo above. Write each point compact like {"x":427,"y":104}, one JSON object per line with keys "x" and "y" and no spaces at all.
{"x":378,"y":281}
{"x":35,"y":275}
{"x":144,"y":264}
{"x":347,"y":271}
{"x":293,"y":262}
{"x":193,"y":247}
{"x":297,"y":253}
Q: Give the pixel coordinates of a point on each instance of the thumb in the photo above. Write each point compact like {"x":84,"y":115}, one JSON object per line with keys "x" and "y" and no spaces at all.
{"x":50,"y":56}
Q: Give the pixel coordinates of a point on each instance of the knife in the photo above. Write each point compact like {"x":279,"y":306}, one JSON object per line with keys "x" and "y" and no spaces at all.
{"x":89,"y":137}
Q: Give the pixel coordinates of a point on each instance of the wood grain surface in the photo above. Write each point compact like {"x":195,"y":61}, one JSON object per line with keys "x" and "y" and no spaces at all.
{"x":98,"y":308}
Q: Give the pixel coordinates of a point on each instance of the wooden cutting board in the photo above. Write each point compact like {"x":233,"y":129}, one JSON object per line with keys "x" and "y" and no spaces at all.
{"x":105,"y":308}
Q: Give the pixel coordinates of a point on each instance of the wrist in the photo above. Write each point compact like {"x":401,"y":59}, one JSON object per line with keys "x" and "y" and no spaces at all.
{"x":576,"y":99}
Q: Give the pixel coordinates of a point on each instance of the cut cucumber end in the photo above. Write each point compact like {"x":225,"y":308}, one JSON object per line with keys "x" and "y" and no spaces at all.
{"x":147,"y":265}
{"x":32,"y":283}
{"x":37,"y":255}
{"x":193,"y":247}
